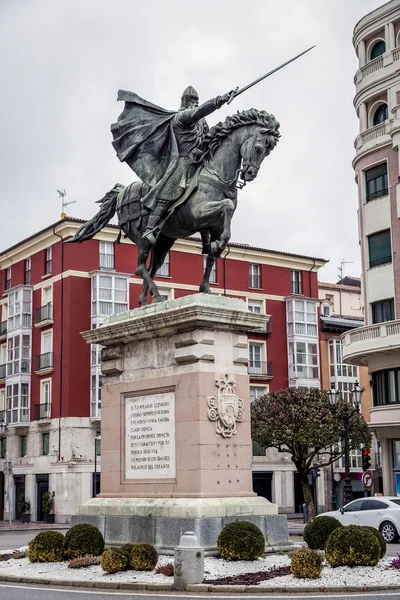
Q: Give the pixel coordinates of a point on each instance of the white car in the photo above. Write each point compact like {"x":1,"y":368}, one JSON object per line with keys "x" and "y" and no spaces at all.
{"x":381,"y":512}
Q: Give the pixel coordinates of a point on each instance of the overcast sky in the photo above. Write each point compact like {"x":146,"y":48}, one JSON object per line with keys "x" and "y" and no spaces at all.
{"x":62,"y":62}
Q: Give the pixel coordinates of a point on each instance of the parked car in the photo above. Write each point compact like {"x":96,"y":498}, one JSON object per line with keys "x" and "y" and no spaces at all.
{"x":381,"y":512}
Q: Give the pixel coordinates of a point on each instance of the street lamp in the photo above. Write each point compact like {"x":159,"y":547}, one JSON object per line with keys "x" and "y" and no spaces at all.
{"x":345,"y":411}
{"x":7,"y":469}
{"x":96,"y":439}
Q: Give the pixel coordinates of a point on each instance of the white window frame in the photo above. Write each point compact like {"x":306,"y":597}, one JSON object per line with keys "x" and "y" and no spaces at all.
{"x":299,"y":369}
{"x":166,"y":293}
{"x":46,"y":295}
{"x":8,"y":283}
{"x":295,"y":282}
{"x":256,"y":365}
{"x":104,"y":296}
{"x":338,"y":370}
{"x":46,"y":392}
{"x":213,"y":272}
{"x":163,"y":271}
{"x":19,"y":313}
{"x":301,"y":317}
{"x":48,"y":264}
{"x":96,"y":382}
{"x":28,"y":269}
{"x":19,"y":354}
{"x":260,"y":390}
{"x":106,"y":256}
{"x":254,"y":276}
{"x":18,"y":403}
{"x":256,"y":303}
{"x":2,"y":400}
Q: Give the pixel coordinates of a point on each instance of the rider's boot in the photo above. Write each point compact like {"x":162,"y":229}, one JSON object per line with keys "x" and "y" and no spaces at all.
{"x":151,"y":231}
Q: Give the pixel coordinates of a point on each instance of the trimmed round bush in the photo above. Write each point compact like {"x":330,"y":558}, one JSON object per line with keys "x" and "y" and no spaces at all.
{"x":127,"y":550}
{"x":306,"y":564}
{"x":352,"y":546}
{"x":83,"y":539}
{"x":241,"y":540}
{"x":379,"y":537}
{"x":114,"y":560}
{"x":144,"y":557}
{"x":317,"y":531}
{"x":47,"y":546}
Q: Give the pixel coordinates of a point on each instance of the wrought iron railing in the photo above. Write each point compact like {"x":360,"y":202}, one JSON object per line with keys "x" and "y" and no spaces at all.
{"x":42,"y":411}
{"x":260,"y":368}
{"x":44,"y":361}
{"x":44,"y":313}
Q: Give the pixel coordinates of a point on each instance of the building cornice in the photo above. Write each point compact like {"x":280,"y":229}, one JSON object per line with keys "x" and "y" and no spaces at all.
{"x":376,"y":19}
{"x":68,"y":227}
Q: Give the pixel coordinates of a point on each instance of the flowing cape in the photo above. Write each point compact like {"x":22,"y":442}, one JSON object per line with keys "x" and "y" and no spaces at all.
{"x":144,"y":138}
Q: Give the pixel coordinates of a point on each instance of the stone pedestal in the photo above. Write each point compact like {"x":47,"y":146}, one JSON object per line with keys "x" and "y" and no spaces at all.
{"x":176,"y":443}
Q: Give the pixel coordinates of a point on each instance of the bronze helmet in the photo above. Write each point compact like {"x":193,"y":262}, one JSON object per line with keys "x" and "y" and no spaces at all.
{"x":188,"y":93}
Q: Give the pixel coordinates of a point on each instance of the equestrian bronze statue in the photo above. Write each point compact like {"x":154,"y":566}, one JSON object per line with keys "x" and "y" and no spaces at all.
{"x":189,"y":178}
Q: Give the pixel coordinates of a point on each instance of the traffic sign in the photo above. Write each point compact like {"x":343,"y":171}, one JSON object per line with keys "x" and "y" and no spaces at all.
{"x":367,"y":479}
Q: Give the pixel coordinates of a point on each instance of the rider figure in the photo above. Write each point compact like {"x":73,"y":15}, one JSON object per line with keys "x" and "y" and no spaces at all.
{"x":190,"y":127}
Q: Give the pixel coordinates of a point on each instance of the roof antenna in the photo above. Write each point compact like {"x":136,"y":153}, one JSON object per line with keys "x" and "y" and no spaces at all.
{"x":64,"y":204}
{"x":340,"y":268}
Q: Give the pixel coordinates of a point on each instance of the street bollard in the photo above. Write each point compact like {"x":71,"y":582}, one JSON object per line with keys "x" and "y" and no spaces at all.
{"x":188,"y":561}
{"x":305,"y":513}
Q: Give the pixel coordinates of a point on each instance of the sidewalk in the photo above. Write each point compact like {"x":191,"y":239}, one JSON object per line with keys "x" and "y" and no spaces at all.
{"x":18,"y":526}
{"x":295,"y":526}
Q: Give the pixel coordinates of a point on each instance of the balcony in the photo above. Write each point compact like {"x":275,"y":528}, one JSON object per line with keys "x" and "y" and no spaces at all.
{"x":44,"y":315}
{"x":372,"y":66}
{"x":359,"y":345}
{"x":3,"y":329}
{"x":2,"y":372}
{"x":17,"y":417}
{"x":42,"y":411}
{"x":44,"y":363}
{"x":258,"y":369}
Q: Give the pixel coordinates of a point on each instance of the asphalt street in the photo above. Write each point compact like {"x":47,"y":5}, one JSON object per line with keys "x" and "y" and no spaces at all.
{"x":19,"y":592}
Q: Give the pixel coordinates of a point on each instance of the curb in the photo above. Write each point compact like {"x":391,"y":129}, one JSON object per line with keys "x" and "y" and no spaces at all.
{"x":198,"y":587}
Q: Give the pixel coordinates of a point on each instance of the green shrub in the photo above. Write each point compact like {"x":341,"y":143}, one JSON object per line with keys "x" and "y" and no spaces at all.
{"x":144,"y":557}
{"x":47,"y":546}
{"x":306,"y":564}
{"x":352,"y":546}
{"x":241,"y":540}
{"x":83,"y":539}
{"x":317,"y":531}
{"x":113,"y":560}
{"x":127,"y":550}
{"x":379,"y":537}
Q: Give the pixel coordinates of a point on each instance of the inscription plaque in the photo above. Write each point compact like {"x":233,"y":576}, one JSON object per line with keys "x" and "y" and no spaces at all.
{"x":150,"y":436}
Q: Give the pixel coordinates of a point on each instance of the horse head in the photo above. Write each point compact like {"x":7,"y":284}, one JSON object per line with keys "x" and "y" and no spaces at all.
{"x":262,"y":140}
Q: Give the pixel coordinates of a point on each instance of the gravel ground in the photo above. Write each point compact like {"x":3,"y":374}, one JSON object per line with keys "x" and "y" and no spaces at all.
{"x":214,"y":567}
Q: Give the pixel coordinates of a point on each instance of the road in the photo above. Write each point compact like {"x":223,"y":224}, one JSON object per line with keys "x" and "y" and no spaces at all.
{"x":9,"y":540}
{"x":38,"y":593}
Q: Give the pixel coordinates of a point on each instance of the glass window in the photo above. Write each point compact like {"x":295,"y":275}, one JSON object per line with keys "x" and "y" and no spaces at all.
{"x":303,"y":360}
{"x":24,"y":444}
{"x":376,"y":180}
{"x":213,"y":273}
{"x":45,"y":443}
{"x":380,"y":249}
{"x":255,"y":276}
{"x":257,"y":392}
{"x":28,"y":271}
{"x":295,"y":282}
{"x":386,"y":387}
{"x":255,"y":306}
{"x":383,"y":311}
{"x":106,"y":255}
{"x":380,"y":114}
{"x":374,"y":505}
{"x":98,"y":443}
{"x":354,"y":506}
{"x":378,"y":49}
{"x":7,"y":284}
{"x":163,"y":271}
{"x":17,"y":401}
{"x":326,"y":310}
{"x":109,"y":295}
{"x":47,"y":263}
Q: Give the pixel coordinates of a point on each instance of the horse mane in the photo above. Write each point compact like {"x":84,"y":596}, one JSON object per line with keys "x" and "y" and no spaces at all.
{"x":217,"y":134}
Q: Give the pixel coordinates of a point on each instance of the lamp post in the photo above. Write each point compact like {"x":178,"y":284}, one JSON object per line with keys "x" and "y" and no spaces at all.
{"x":7,"y":470}
{"x":96,"y":439}
{"x":345,"y":412}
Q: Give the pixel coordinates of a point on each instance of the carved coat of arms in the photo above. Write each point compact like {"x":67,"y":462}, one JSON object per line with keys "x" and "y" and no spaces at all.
{"x":226,"y":408}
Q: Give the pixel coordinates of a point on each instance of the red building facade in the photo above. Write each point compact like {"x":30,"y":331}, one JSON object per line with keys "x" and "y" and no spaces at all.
{"x":50,"y":379}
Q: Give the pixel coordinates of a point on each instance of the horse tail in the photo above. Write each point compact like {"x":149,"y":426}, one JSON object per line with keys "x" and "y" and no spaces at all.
{"x":101,"y":219}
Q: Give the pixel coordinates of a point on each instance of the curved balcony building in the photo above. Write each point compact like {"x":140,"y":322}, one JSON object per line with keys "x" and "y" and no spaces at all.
{"x":376,"y":164}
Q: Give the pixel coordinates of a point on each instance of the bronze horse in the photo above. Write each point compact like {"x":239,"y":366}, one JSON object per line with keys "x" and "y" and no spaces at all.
{"x":231,"y":149}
